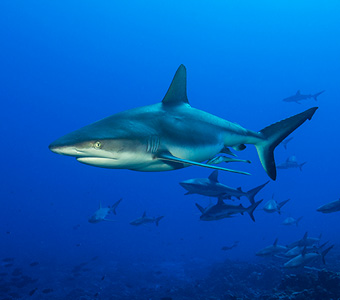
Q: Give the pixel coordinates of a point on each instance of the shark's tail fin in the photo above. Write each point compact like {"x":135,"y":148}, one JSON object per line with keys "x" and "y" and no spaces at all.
{"x":252,"y":193}
{"x":158,"y":219}
{"x":251,"y":209}
{"x":274,"y":135}
{"x":315,"y":96}
{"x":301,"y":165}
{"x":279,"y":205}
{"x":114,"y":206}
{"x":298,"y":221}
{"x":323,"y":254}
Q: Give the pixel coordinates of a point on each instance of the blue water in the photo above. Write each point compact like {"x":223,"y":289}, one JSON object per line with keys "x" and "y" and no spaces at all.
{"x":66,"y":64}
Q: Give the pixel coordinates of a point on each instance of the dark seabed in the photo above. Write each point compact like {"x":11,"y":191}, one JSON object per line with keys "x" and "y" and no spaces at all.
{"x":67,"y":64}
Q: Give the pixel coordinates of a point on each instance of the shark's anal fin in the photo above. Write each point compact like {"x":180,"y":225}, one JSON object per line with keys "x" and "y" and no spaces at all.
{"x":170,"y":157}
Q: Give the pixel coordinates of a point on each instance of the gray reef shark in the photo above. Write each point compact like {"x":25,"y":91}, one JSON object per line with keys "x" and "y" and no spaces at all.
{"x":305,"y":258}
{"x":212,"y":188}
{"x":330,"y":207}
{"x":272,"y":250}
{"x":291,"y":163}
{"x":298,"y":97}
{"x":144,"y":220}
{"x":292,"y":221}
{"x":298,"y":250}
{"x":306,"y":241}
{"x":101,"y":214}
{"x":171,"y":135}
{"x":272,"y":206}
{"x":222,"y":210}
{"x":286,"y":141}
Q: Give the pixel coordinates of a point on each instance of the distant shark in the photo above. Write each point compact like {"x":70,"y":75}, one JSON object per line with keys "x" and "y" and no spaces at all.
{"x":272,"y":206}
{"x":101,"y":214}
{"x":291,"y":163}
{"x":330,"y":207}
{"x":298,"y":97}
{"x":272,"y":250}
{"x":292,"y":221}
{"x":171,"y":135}
{"x":222,"y":210}
{"x":211,"y":187}
{"x":144,"y":220}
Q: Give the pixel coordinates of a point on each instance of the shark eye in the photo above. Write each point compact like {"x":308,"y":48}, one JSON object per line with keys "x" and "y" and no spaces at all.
{"x":98,"y":145}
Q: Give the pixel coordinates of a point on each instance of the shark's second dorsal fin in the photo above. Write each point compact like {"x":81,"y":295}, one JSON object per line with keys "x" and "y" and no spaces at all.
{"x":100,"y":204}
{"x":298,"y":92}
{"x":275,"y":242}
{"x":177,"y":92}
{"x":214,"y":176}
{"x":144,"y":215}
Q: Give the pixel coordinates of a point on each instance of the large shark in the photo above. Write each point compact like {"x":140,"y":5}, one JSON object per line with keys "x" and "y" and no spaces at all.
{"x":222,"y":210}
{"x":306,"y":241}
{"x":211,"y":187}
{"x":170,"y":135}
{"x":298,"y":97}
{"x":330,"y":207}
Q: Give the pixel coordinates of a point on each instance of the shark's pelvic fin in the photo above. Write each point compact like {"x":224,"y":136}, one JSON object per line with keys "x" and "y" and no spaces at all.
{"x":170,"y":157}
{"x":275,"y":134}
{"x":177,"y":92}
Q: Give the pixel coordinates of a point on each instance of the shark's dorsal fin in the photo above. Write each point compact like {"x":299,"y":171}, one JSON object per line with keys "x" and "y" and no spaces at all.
{"x":144,"y":214}
{"x":275,"y":242}
{"x":220,"y":200}
{"x":298,"y":92}
{"x":100,"y":204}
{"x":214,"y":176}
{"x":304,"y":251}
{"x":177,"y":92}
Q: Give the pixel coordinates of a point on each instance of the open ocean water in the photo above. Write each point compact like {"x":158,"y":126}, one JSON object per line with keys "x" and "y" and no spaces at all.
{"x":67,"y":64}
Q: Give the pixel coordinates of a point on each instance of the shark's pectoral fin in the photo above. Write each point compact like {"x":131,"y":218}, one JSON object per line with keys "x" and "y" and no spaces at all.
{"x":169,"y":157}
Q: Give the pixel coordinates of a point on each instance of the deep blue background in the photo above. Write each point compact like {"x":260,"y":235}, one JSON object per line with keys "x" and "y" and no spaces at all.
{"x":65,"y":64}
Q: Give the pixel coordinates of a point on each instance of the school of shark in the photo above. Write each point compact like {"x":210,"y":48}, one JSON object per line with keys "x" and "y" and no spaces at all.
{"x":172,"y":135}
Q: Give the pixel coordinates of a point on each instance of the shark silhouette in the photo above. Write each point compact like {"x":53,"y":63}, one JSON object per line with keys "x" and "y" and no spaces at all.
{"x":171,"y":135}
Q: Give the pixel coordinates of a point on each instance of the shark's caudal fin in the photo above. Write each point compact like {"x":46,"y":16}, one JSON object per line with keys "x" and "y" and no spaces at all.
{"x":158,"y":219}
{"x":301,"y":165}
{"x":315,"y":96}
{"x":251,"y":209}
{"x":279,"y":205}
{"x":323,"y":254}
{"x":275,"y":134}
{"x":252,"y":193}
{"x":114,"y":206}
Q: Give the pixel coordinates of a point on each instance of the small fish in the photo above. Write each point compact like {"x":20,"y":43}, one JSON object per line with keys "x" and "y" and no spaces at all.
{"x":8,"y":265}
{"x":16,"y":272}
{"x":103,"y":277}
{"x":32,"y":292}
{"x":34,"y":264}
{"x":47,"y":291}
{"x":8,"y":259}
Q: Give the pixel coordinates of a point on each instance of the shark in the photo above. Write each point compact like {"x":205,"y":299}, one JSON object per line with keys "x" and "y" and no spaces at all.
{"x":305,"y":241}
{"x":272,"y":250}
{"x":171,"y":135}
{"x":222,"y":210}
{"x":299,"y":97}
{"x":101,"y":214}
{"x":305,"y":258}
{"x":272,"y":206}
{"x":298,"y":250}
{"x":292,"y":221}
{"x":211,"y":187}
{"x":330,"y":207}
{"x":286,"y":141}
{"x":145,"y":219}
{"x":291,"y":163}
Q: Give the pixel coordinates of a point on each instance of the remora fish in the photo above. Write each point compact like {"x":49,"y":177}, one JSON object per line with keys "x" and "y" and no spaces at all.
{"x":212,"y":188}
{"x":144,"y":220}
{"x":330,"y":207}
{"x":170,"y":135}
{"x":290,"y":163}
{"x":272,"y":250}
{"x":292,"y":221}
{"x":222,"y":210}
{"x":305,"y":258}
{"x":102,"y":212}
{"x":272,"y":206}
{"x":298,"y":97}
{"x":218,"y":159}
